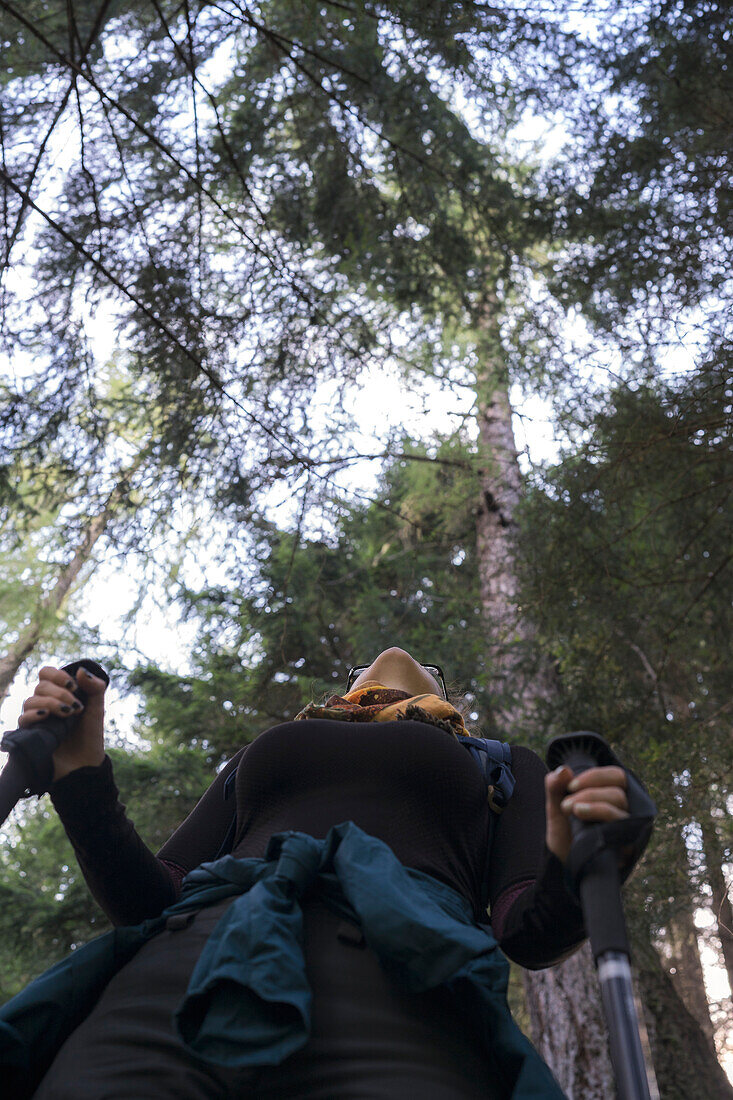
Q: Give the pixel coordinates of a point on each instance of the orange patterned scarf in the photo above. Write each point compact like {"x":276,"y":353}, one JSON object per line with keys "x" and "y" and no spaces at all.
{"x":373,"y":702}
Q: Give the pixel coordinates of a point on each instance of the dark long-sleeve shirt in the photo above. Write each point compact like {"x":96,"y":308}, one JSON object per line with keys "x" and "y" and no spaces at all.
{"x":407,"y":783}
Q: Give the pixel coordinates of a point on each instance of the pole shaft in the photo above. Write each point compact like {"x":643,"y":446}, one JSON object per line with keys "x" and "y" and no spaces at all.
{"x":627,"y":1055}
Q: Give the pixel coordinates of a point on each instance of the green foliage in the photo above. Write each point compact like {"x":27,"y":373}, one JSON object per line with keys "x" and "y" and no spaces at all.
{"x":327,"y":186}
{"x":397,"y":571}
{"x":46,"y":909}
{"x":628,"y":574}
{"x":370,"y":162}
{"x":651,"y":204}
{"x":25,"y":55}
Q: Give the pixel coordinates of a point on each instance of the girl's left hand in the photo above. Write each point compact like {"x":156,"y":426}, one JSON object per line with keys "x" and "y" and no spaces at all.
{"x":598,"y":794}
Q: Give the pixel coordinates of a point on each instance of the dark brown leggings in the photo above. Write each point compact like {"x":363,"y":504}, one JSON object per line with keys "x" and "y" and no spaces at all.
{"x":370,"y":1041}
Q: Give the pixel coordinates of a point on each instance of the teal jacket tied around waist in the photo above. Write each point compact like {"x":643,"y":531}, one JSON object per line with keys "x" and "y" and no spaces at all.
{"x":248,"y":1001}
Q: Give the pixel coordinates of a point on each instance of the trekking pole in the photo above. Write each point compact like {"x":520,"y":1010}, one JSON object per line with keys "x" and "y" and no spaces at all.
{"x":30,"y":767}
{"x":593,"y":867}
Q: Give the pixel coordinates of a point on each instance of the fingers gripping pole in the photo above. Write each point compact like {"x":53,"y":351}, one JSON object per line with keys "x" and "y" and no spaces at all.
{"x":29,"y":769}
{"x":593,"y":868}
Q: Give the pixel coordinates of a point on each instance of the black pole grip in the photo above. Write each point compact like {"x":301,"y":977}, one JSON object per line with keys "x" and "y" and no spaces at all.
{"x":89,"y":666}
{"x":579,"y":751}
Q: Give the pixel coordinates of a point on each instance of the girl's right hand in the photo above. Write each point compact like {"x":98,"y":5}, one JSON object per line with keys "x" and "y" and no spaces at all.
{"x":53,"y":694}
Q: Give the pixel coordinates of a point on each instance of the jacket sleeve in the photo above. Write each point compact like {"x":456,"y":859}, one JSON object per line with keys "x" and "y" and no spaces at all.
{"x":535,"y":918}
{"x":128,"y":881}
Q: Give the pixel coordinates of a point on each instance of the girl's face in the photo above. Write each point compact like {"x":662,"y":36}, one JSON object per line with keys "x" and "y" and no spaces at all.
{"x":394,"y":668}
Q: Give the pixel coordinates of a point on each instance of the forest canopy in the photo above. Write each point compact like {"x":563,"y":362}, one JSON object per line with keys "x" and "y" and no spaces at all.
{"x":239,"y":243}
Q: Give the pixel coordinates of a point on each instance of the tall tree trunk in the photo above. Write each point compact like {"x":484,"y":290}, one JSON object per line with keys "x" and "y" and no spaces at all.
{"x":683,"y":952}
{"x":687,"y":979}
{"x":684,"y":1065}
{"x":52,"y":602}
{"x":722,"y":909}
{"x":568,"y":1027}
{"x":500,"y":494}
{"x":563,"y":1002}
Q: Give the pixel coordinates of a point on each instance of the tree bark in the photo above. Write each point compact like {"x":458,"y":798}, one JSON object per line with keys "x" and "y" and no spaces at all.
{"x":682,"y":952}
{"x":500,"y":491}
{"x":521,"y":684}
{"x":722,"y":910}
{"x":687,"y":979}
{"x":683,"y":1062}
{"x":568,"y":1027}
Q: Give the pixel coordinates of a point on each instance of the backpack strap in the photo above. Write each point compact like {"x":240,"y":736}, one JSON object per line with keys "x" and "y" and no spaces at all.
{"x":495,"y":760}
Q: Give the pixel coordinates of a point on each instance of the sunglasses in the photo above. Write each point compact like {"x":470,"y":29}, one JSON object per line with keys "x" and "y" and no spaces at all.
{"x":434,"y":670}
